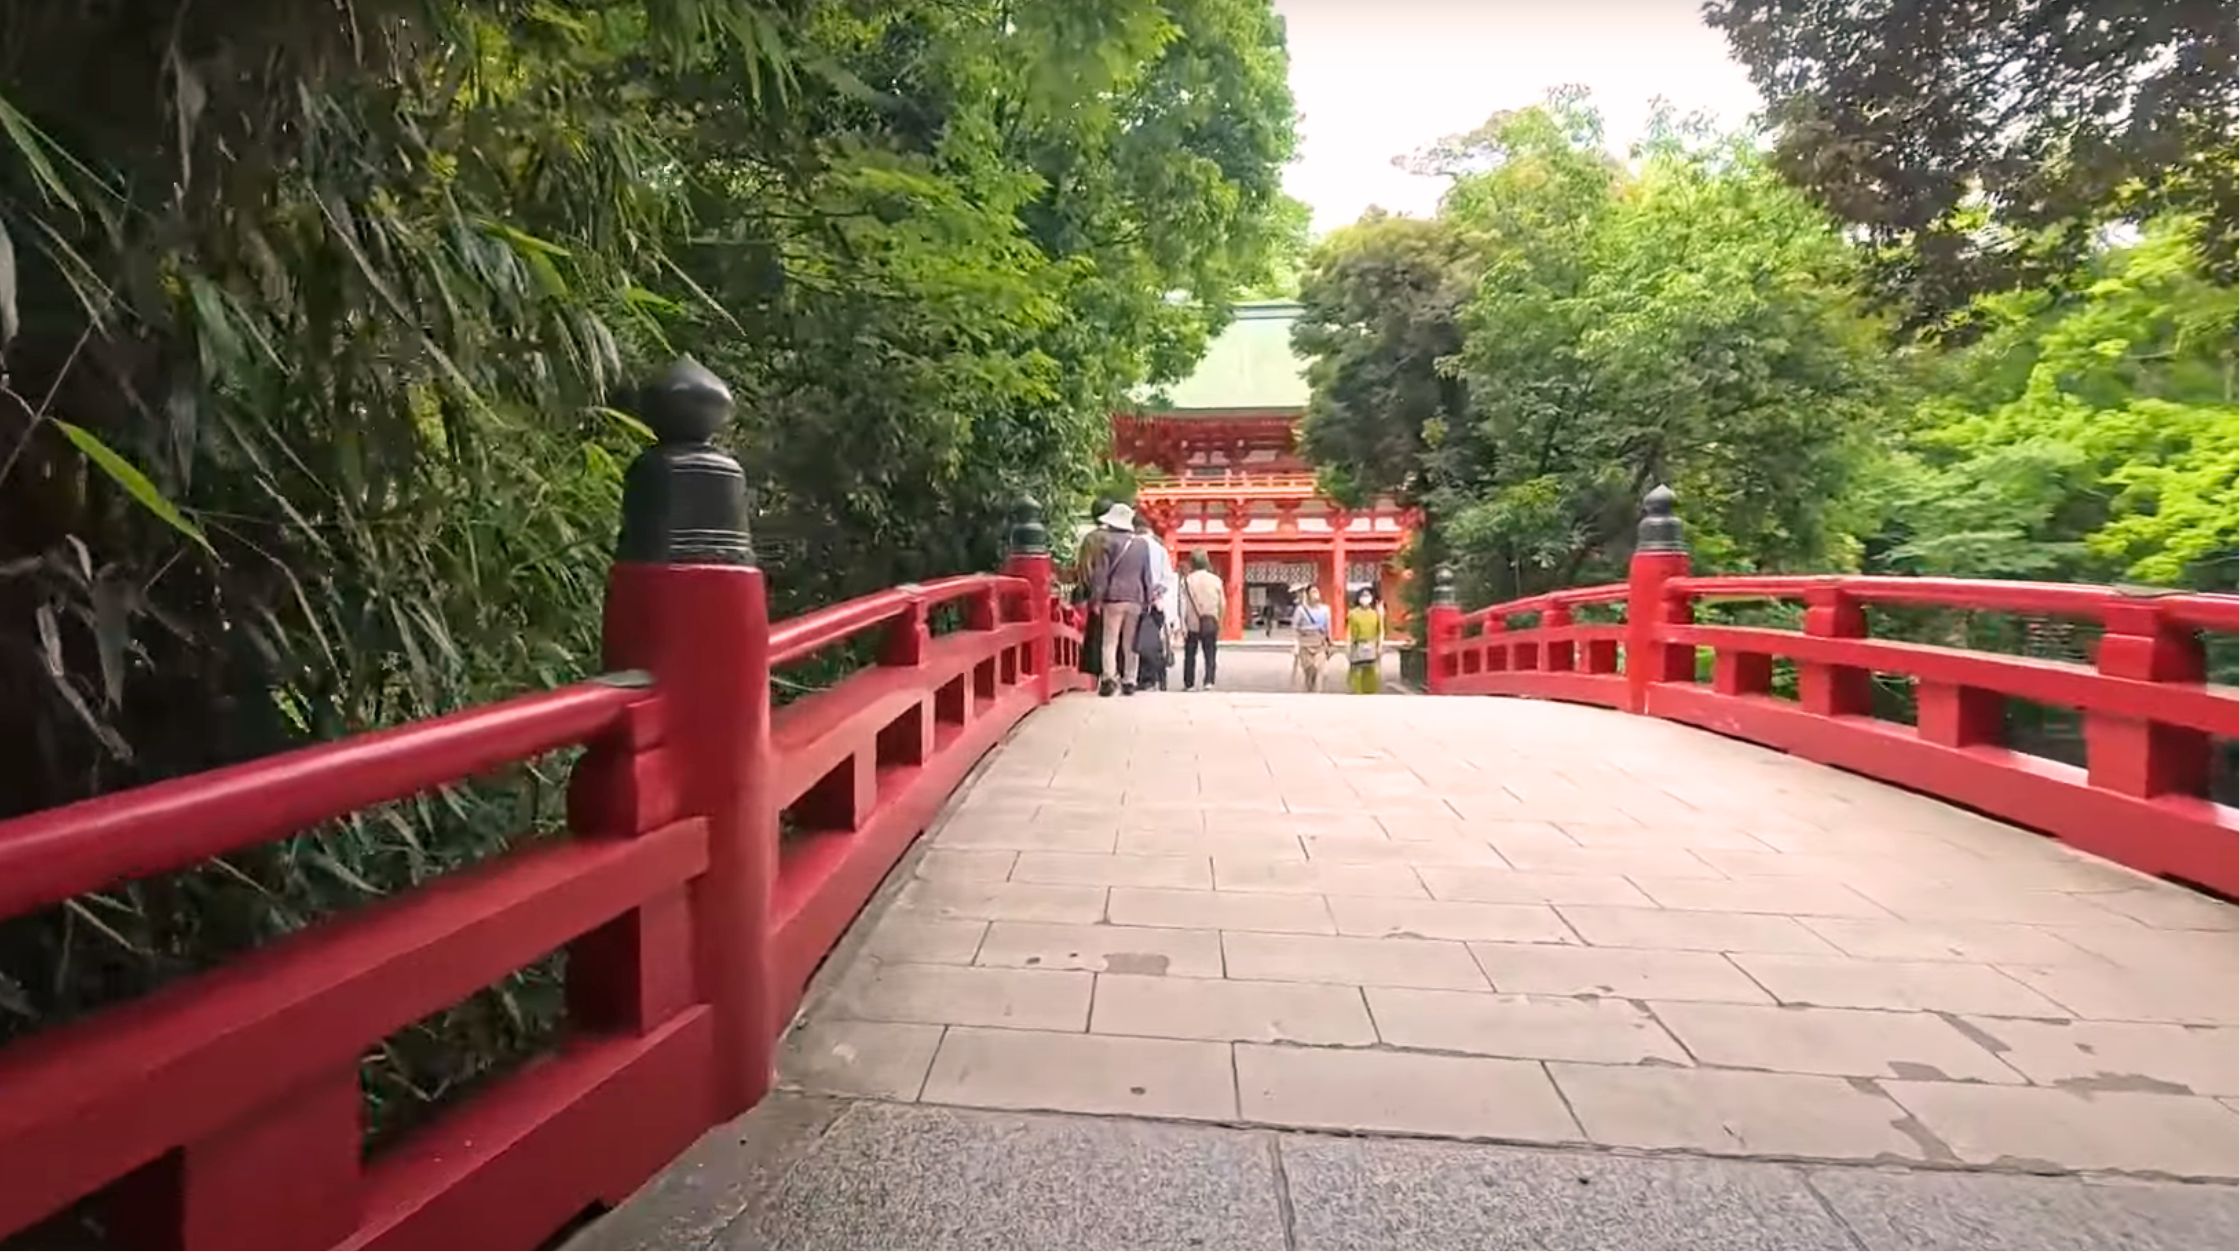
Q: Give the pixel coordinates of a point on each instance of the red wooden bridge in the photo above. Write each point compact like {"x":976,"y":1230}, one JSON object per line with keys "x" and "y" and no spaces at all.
{"x":719,"y":847}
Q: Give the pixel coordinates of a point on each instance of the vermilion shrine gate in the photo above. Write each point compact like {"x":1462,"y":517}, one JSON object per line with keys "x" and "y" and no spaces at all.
{"x":1231,"y":481}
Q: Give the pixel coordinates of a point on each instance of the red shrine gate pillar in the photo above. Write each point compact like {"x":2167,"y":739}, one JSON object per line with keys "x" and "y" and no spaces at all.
{"x":1395,"y":603}
{"x":1335,"y":592}
{"x":1232,"y":587}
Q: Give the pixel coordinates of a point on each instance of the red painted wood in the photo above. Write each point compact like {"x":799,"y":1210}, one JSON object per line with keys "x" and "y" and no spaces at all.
{"x":1823,"y":687}
{"x":703,"y":631}
{"x":193,"y":1104}
{"x":1039,"y":574}
{"x":518,"y":1161}
{"x":84,"y":847}
{"x":1742,"y":673}
{"x":2200,"y":706}
{"x":828,"y":876}
{"x":217,"y":1191}
{"x":2148,"y":715}
{"x":809,"y":633}
{"x":1956,"y":716}
{"x":92,"y":1100}
{"x":2134,"y":753}
{"x":1442,"y":626}
{"x":1606,"y":690}
{"x":2049,"y":599}
{"x":634,"y":972}
{"x":1650,"y":657}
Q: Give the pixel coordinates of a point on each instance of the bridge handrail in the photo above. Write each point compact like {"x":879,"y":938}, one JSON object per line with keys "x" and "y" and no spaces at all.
{"x":57,"y":854}
{"x":715,"y":849}
{"x":1485,"y":619}
{"x":2079,"y":601}
{"x":812,"y":632}
{"x":2141,"y":798}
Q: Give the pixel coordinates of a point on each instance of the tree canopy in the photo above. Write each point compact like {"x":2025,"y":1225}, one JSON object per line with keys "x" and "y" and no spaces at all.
{"x":1569,"y":331}
{"x":2086,"y":437}
{"x":1981,"y":145}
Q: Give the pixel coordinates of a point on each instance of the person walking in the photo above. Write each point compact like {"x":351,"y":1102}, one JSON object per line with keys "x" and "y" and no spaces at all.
{"x":1088,"y":554}
{"x":1364,"y":643}
{"x":1155,"y":635}
{"x":1120,"y":589}
{"x":1203,"y":601}
{"x":1310,"y":631}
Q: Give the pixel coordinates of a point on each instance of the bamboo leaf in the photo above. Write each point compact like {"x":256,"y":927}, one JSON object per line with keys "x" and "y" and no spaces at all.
{"x":8,"y":318}
{"x":135,"y":482}
{"x":33,"y":144}
{"x":627,"y":421}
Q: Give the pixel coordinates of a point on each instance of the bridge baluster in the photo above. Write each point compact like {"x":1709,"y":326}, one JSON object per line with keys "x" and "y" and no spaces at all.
{"x":1030,"y":560}
{"x":1442,"y":629}
{"x":686,"y":602}
{"x":2132,"y":755}
{"x":1834,"y":690}
{"x":1660,"y":554}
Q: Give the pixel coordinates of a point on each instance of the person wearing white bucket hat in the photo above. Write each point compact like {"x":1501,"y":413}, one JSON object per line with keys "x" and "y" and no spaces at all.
{"x":1121,"y":588}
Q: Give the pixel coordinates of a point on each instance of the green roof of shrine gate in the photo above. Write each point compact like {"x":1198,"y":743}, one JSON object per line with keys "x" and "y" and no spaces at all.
{"x":1248,"y":367}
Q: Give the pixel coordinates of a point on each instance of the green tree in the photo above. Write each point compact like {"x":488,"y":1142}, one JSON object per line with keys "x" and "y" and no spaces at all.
{"x":1382,"y":302}
{"x":2086,"y":437}
{"x":1980,"y":145}
{"x":1691,"y":320}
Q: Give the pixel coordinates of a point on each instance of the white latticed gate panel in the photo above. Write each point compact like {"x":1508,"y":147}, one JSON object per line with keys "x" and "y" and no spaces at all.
{"x":1279,"y":572}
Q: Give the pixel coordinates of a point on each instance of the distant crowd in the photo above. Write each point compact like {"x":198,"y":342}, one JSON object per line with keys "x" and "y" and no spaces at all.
{"x":1142,"y":614}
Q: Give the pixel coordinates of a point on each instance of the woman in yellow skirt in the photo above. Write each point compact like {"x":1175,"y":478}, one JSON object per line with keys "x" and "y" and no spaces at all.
{"x":1364,"y":643}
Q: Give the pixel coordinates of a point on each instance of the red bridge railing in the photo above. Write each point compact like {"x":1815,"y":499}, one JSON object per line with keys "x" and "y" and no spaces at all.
{"x":715,"y":850}
{"x":2149,"y":717}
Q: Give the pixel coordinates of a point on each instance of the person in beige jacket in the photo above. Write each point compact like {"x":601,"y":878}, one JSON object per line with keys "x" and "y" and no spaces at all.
{"x":1203,"y":602}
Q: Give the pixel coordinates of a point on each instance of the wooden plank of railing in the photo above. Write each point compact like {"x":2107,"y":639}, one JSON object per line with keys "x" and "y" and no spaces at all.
{"x":2199,"y":706}
{"x":79,"y":848}
{"x":95,"y":1099}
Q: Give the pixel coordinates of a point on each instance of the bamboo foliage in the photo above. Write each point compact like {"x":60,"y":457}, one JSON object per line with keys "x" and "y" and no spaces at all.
{"x":316,"y":325}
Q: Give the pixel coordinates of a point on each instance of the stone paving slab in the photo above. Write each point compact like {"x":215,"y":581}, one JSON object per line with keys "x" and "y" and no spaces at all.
{"x":1232,"y":1010}
{"x":1091,"y":1075}
{"x":2158,"y":1058}
{"x":1956,"y":987}
{"x":1523,"y":1026}
{"x":2050,"y":1130}
{"x":1912,"y":1045}
{"x":1351,"y":960}
{"x":1102,"y":947}
{"x":1409,"y":918}
{"x":1614,"y":972}
{"x":1396,"y":1092}
{"x":1720,"y":1111}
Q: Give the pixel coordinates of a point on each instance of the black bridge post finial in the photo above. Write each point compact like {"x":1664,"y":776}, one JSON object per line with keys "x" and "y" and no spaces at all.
{"x":1442,"y":586}
{"x":683,"y":500}
{"x":1029,"y":536}
{"x":1659,"y":530}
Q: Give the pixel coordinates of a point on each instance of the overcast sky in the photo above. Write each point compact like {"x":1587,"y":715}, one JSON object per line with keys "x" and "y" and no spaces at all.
{"x":1377,"y":78}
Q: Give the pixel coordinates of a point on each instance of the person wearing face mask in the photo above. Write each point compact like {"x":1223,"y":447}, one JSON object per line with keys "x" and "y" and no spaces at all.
{"x":1364,"y":643}
{"x":1310,"y":633}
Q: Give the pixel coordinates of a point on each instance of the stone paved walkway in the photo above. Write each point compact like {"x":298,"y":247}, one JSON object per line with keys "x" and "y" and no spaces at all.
{"x":1528,"y":924}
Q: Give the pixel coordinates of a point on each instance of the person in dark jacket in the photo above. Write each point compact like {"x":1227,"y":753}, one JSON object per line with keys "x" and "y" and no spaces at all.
{"x":1086,"y":556}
